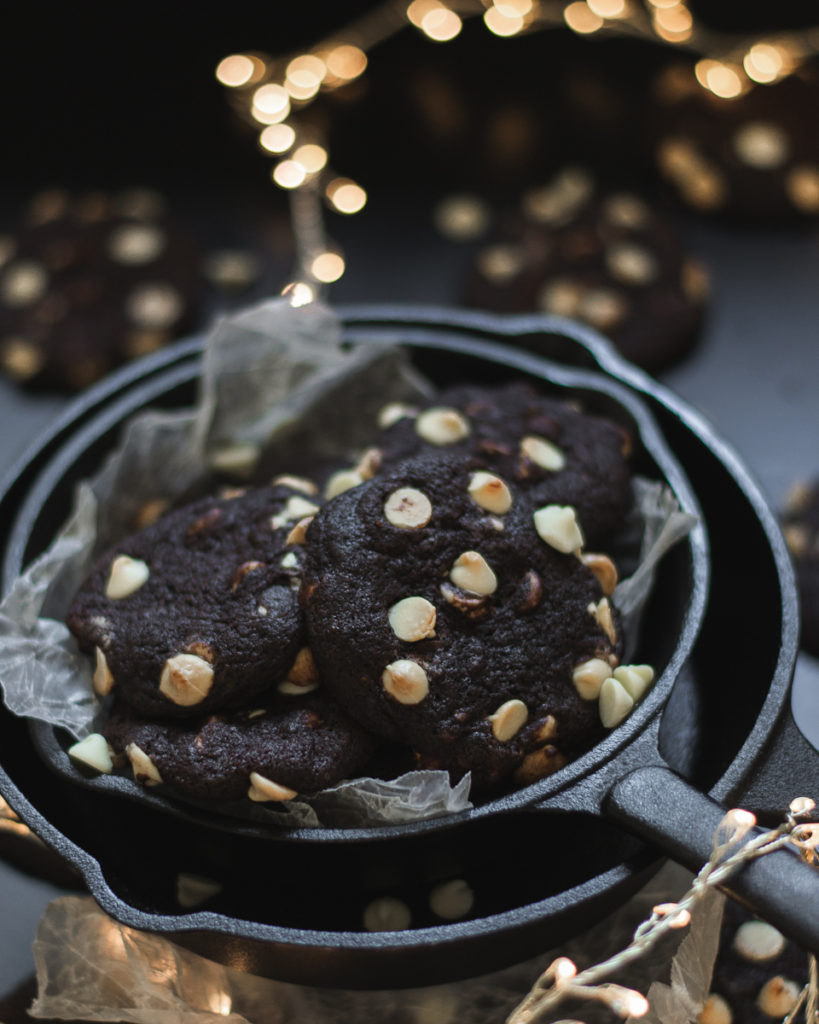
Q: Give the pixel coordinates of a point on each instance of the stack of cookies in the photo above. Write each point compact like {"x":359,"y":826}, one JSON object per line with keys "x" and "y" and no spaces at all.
{"x":443,"y":602}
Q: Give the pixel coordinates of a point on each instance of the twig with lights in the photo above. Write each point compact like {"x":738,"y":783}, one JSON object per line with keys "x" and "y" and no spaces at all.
{"x":274,"y":94}
{"x":561,"y":979}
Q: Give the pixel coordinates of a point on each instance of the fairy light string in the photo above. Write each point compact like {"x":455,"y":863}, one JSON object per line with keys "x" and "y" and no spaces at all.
{"x":276,"y":95}
{"x":730,"y":851}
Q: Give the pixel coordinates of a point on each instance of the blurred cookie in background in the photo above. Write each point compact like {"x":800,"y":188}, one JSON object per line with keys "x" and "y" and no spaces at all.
{"x":90,"y":281}
{"x":749,"y":155}
{"x":758,"y":974}
{"x":610,"y":259}
{"x":800,"y":525}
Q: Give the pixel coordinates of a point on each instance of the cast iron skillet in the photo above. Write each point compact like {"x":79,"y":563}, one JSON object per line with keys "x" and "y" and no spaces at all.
{"x":667,"y":636}
{"x":349,"y":958}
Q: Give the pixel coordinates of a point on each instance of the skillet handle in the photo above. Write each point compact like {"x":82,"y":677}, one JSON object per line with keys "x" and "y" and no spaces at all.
{"x":664,"y":809}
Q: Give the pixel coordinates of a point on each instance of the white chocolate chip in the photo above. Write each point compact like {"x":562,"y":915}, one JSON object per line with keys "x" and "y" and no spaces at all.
{"x":303,"y":672}
{"x":393,"y":412}
{"x":490,"y":492}
{"x":239,"y":458}
{"x":23,"y":283}
{"x":154,"y":305}
{"x":557,"y":525}
{"x":604,"y":569}
{"x":451,"y":900}
{"x":296,"y":483}
{"x":508,"y":720}
{"x":761,"y":145}
{"x":135,"y":244}
{"x":601,"y":612}
{"x":758,"y":940}
{"x":442,"y":426}
{"x":413,"y":619}
{"x":94,"y":752}
{"x":342,"y":481}
{"x":387,"y":914}
{"x":102,"y":678}
{"x":777,"y":997}
{"x":263,"y":790}
{"x":290,"y":560}
{"x":294,"y":690}
{"x":470,"y":571}
{"x":186,"y":679}
{"x":635,"y":679}
{"x":589,"y":676}
{"x":145,"y":771}
{"x":615,"y":703}
{"x":125,"y":576}
{"x":406,"y":681}
{"x":715,"y":1011}
{"x":194,"y":890}
{"x":408,"y":508}
{"x":294,"y":508}
{"x":369,"y":463}
{"x":543,"y":453}
{"x":298,"y":535}
{"x":631,"y":264}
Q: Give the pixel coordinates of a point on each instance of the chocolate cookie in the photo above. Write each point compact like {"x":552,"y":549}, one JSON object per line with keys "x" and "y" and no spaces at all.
{"x":751,"y":156}
{"x":801,"y":528}
{"x":548,"y":449}
{"x":446,"y":612}
{"x":197,"y":612}
{"x":758,"y":974}
{"x":610,"y":259}
{"x":90,"y":281}
{"x":290,"y":740}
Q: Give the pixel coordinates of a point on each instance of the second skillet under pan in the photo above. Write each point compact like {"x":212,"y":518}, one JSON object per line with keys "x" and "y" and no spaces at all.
{"x":643,"y":748}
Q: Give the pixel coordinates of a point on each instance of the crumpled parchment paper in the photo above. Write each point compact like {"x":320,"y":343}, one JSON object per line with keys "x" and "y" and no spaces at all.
{"x":276,"y":382}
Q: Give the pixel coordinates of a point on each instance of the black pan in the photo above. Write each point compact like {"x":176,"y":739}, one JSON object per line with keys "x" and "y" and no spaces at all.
{"x":567,"y":886}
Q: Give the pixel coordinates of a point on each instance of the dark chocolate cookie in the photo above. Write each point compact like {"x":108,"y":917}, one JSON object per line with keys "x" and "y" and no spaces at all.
{"x":610,"y":259}
{"x":288,"y":741}
{"x":546,"y":447}
{"x":197,"y":612}
{"x":751,"y":156}
{"x":90,"y":281}
{"x":758,"y":973}
{"x":801,"y":528}
{"x":445,"y":612}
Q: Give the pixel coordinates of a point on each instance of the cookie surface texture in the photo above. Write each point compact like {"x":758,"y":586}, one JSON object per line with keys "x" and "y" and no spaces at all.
{"x":195,"y":612}
{"x":545,"y":447}
{"x":452,"y":627}
{"x":301,"y":743}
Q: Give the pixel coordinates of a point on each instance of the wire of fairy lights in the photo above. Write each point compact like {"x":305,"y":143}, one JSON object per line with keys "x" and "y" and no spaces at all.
{"x":275,"y":95}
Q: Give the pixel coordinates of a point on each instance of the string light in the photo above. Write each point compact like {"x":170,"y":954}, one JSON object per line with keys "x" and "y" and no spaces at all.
{"x":289,"y":174}
{"x":327,"y":267}
{"x":441,"y":24}
{"x":581,"y":18}
{"x":608,"y":8}
{"x":346,"y":196}
{"x":723,"y":80}
{"x":728,"y":66}
{"x":237,"y":70}
{"x":311,"y":157}
{"x":277,"y":138}
{"x":501,"y":24}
